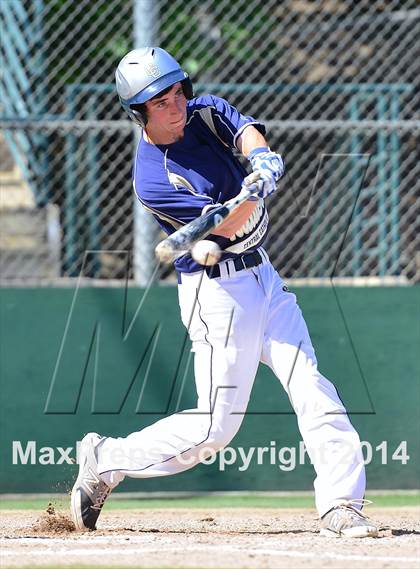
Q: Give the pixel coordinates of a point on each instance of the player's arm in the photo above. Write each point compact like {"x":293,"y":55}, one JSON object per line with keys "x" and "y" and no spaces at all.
{"x":268,"y":164}
{"x":236,"y":219}
{"x":247,"y":134}
{"x":250,"y":139}
{"x":174,"y":204}
{"x":252,"y":143}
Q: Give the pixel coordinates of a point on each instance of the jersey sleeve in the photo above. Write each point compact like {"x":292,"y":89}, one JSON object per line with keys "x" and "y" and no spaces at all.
{"x":172,"y":203}
{"x":228,"y":121}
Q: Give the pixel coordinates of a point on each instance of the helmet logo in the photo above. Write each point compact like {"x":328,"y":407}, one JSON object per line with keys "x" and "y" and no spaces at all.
{"x":152,"y":70}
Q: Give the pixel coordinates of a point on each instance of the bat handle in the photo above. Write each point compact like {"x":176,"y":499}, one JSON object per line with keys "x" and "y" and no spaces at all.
{"x":247,"y":189}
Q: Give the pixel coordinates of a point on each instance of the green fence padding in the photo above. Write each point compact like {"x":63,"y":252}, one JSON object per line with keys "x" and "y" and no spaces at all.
{"x":114,"y":360}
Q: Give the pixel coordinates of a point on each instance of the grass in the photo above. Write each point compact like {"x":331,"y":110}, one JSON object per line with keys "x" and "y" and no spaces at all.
{"x":292,"y":500}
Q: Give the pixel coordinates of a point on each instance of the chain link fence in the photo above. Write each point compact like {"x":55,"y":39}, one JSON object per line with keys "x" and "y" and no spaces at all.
{"x":337,"y":84}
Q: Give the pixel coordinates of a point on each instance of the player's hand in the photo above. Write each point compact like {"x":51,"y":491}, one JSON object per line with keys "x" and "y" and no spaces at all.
{"x":263,"y":187}
{"x":263,"y":160}
{"x":270,"y":166}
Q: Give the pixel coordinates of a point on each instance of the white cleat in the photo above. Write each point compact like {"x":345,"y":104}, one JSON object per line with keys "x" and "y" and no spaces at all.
{"x":345,"y":520}
{"x":89,"y":491}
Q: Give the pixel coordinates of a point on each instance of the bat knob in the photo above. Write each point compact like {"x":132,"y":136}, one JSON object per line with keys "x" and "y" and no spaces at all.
{"x":164,"y":253}
{"x":251,"y":178}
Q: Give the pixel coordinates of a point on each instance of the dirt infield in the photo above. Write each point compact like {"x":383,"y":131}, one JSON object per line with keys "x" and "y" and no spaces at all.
{"x":206,"y":538}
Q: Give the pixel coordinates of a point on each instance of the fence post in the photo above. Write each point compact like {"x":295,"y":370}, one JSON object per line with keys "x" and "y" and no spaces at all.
{"x":145,"y":228}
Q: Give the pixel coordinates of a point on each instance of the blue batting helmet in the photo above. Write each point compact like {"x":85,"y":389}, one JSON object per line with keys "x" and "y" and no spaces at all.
{"x":144,"y":73}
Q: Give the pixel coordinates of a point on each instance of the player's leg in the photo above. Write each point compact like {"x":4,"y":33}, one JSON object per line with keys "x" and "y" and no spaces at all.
{"x":332,"y":443}
{"x":227,"y":336}
{"x":227,"y":340}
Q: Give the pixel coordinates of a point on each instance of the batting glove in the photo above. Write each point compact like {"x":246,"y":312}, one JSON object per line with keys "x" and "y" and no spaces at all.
{"x":261,"y":188}
{"x":269,"y":165}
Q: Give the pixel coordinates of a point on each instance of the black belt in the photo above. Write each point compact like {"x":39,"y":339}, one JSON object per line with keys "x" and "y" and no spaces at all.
{"x":246,"y":261}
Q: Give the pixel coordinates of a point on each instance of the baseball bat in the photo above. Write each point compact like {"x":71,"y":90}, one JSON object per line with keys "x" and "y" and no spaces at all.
{"x":182,"y":240}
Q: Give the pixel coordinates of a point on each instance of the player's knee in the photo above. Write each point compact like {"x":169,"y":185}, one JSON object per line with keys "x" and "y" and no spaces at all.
{"x":220,"y":435}
{"x":318,"y":397}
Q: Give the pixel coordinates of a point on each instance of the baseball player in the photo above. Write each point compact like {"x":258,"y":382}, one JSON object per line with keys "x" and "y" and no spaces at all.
{"x":238,"y":312}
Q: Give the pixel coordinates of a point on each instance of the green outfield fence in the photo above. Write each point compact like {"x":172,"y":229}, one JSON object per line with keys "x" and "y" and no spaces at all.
{"x":62,"y":349}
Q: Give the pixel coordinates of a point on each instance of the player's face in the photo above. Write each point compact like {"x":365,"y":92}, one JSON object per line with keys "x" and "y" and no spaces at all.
{"x":166,"y":116}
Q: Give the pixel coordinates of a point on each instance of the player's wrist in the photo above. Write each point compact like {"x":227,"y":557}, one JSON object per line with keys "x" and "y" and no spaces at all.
{"x":264,"y":160}
{"x":257,"y":150}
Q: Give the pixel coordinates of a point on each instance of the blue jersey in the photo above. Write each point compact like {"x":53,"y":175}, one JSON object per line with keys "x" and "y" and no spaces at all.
{"x":179,"y":182}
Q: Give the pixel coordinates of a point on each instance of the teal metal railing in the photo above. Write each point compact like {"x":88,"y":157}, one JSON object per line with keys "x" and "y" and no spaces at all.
{"x":21,"y":94}
{"x":30,"y":150}
{"x":381,"y":228}
{"x":82,"y":209}
{"x":384,"y":222}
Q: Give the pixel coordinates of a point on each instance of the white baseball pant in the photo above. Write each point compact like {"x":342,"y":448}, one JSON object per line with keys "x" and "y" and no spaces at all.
{"x":235,"y":322}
